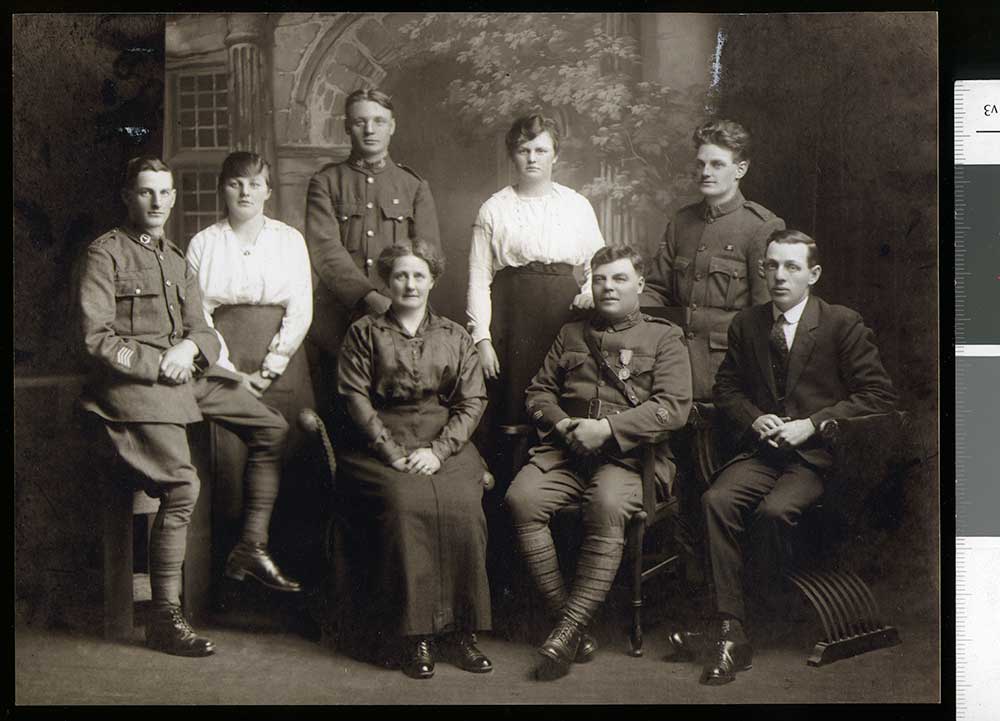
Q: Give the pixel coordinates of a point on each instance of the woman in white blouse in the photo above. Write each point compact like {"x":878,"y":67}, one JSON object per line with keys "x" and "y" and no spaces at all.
{"x":256,"y":286}
{"x":529,"y":266}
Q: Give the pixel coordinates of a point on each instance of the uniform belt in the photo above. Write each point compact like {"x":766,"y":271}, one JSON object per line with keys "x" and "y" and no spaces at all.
{"x":594,"y":408}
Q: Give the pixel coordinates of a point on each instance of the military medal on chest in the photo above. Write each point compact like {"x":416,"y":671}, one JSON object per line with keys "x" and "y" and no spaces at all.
{"x":624,"y":357}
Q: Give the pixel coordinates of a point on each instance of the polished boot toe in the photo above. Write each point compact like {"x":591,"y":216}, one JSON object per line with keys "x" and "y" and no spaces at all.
{"x":728,"y":657}
{"x":562,"y":644}
{"x":418,"y":661}
{"x":252,"y":559}
{"x":460,"y":650}
{"x":587,"y":649}
{"x":687,"y":646}
{"x":168,"y":631}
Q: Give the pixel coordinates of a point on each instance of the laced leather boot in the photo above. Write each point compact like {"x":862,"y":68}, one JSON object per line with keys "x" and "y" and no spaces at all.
{"x":168,"y":631}
{"x":253,"y":559}
{"x":595,"y":572}
{"x":539,"y":554}
{"x":418,"y":661}
{"x":732,"y":652}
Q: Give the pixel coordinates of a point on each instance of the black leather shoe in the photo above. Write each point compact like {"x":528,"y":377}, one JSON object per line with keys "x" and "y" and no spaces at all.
{"x":687,"y":645}
{"x":167,"y":630}
{"x":587,"y":648}
{"x":252,"y":559}
{"x":728,"y":657}
{"x":460,"y":650}
{"x":562,"y":644}
{"x":417,"y":659}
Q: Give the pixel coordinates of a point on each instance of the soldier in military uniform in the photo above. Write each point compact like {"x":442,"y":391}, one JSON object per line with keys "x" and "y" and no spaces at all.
{"x":608,"y":386}
{"x":356,"y":209}
{"x":153,"y":352}
{"x":710,"y":257}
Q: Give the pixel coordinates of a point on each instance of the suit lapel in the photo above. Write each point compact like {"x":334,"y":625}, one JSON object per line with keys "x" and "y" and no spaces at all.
{"x":802,"y":345}
{"x":763,"y":320}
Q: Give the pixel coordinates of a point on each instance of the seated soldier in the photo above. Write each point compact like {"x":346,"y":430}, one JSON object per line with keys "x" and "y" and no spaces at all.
{"x":607,"y":386}
{"x":144,"y":329}
{"x":792,"y":364}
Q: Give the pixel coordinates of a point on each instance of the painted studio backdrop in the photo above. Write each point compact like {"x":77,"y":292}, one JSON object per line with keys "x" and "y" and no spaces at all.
{"x":842,"y":109}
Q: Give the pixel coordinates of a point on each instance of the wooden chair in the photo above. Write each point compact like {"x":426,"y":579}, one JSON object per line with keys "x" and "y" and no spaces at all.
{"x":872,"y":461}
{"x":642,"y":561}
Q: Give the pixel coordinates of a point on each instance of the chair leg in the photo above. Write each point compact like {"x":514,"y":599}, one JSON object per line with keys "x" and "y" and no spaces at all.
{"x":117,"y":562}
{"x":636,"y":531}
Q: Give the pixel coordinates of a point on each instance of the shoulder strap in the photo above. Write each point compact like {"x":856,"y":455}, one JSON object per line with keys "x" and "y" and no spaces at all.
{"x":602,"y":363}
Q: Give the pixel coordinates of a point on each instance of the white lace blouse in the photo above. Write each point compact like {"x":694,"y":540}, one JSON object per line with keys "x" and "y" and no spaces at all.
{"x":512,"y":231}
{"x":274,"y":270}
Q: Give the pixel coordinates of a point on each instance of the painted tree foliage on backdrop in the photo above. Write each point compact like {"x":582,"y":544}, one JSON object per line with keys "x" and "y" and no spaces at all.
{"x":626,"y":140}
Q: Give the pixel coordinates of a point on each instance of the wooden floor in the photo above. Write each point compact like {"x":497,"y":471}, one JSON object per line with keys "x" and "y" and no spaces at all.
{"x":280,"y":667}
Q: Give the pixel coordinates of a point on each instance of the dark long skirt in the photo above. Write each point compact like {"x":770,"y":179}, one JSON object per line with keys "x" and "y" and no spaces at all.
{"x":418,"y":543}
{"x":297,"y":520}
{"x":530,"y":304}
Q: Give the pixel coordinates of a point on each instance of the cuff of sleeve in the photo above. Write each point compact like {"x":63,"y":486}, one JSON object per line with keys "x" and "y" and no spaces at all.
{"x":547,"y":418}
{"x":275,"y":362}
{"x":623,"y":442}
{"x":478,"y":335}
{"x":148,"y":367}
{"x":441,"y":449}
{"x":387,"y":449}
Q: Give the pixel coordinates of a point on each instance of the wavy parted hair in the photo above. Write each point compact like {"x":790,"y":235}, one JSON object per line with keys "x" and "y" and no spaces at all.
{"x":790,"y":237}
{"x":609,"y":254}
{"x":372,"y":94}
{"x":138,"y":164}
{"x":726,"y":134}
{"x":530,"y":127}
{"x":243,"y":164}
{"x":418,"y":249}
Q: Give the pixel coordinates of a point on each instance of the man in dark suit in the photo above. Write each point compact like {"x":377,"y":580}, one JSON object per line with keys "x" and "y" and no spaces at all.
{"x":792,"y":364}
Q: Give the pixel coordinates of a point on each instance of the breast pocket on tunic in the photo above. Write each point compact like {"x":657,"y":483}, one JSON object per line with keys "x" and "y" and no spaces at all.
{"x":399,"y":212}
{"x":641,"y":374}
{"x":350,"y":216}
{"x":139,"y":306}
{"x":727,"y":283}
{"x":572,"y":365}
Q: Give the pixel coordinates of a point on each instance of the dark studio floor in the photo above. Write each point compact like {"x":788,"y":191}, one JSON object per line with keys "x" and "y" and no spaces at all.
{"x":255,"y":664}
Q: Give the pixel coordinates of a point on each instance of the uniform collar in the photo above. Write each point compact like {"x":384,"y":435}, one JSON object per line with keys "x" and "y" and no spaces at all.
{"x":144,"y":239}
{"x":711,"y":212}
{"x":599,"y":322}
{"x":363,"y":165}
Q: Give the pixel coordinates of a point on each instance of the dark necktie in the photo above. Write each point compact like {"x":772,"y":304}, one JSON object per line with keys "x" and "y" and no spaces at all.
{"x":779,"y":354}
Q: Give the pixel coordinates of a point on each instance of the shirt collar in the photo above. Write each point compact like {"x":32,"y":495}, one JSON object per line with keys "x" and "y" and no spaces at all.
{"x":390,"y":320}
{"x":601,"y":323}
{"x":717,"y":211}
{"x":794,"y":314}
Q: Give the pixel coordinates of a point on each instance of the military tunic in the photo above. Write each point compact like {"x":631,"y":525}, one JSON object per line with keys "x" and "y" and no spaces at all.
{"x":649,"y":353}
{"x":355,"y":210}
{"x":138,"y":298}
{"x":710,"y":263}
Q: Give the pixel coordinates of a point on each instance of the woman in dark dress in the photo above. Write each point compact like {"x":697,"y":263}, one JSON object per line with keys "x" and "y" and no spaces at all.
{"x":411,"y":382}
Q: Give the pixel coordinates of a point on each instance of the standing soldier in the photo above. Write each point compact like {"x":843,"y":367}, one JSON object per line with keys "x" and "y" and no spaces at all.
{"x":710,"y":257}
{"x":153,"y":353}
{"x":355,"y":210}
{"x":607,"y":386}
